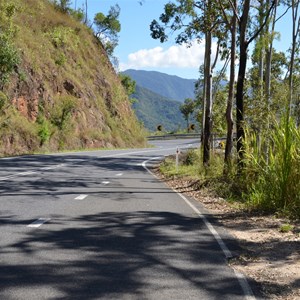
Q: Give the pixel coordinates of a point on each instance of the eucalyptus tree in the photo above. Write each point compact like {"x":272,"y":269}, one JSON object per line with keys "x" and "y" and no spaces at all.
{"x":269,"y":53}
{"x":107,"y":28}
{"x":245,"y":36}
{"x":295,"y":35}
{"x":230,"y":18}
{"x":193,"y":20}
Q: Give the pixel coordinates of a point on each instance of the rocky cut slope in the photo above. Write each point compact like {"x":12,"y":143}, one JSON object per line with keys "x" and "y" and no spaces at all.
{"x":63,"y":92}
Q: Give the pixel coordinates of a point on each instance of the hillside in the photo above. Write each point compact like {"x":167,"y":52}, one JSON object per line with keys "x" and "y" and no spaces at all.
{"x":153,"y":110}
{"x":169,"y":86}
{"x":63,"y":93}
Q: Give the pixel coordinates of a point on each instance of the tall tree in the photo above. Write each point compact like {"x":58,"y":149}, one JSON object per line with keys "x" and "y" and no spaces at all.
{"x":108,"y":27}
{"x":295,"y":34}
{"x":208,"y":21}
{"x":201,"y":20}
{"x":245,"y":38}
{"x":231,"y":22}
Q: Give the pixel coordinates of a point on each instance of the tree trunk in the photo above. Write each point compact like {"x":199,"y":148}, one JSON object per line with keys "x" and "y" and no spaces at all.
{"x":208,"y":97}
{"x":240,"y":132}
{"x":269,"y":53}
{"x":240,"y":106}
{"x":229,"y":118}
{"x":203,"y":101}
{"x":295,"y":7}
{"x":86,"y":12}
{"x":188,"y":124}
{"x":261,"y":70}
{"x":269,"y":60}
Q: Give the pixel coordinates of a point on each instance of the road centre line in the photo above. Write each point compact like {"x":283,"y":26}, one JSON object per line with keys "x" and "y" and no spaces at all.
{"x":38,"y":222}
{"x":105,"y":182}
{"x":119,"y":174}
{"x":240,"y":277}
{"x":80,"y":197}
{"x":63,"y":165}
{"x":31,"y":172}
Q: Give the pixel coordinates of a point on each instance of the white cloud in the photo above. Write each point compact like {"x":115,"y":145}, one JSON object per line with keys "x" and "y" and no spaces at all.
{"x":177,"y":56}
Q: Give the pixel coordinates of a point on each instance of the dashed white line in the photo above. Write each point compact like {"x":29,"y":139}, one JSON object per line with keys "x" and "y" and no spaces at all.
{"x":63,"y":165}
{"x":53,"y":167}
{"x":38,"y":222}
{"x":81,"y":197}
{"x":105,"y":182}
{"x":119,"y":174}
{"x":31,"y":172}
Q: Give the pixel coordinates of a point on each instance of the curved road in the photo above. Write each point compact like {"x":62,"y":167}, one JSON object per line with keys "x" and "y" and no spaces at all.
{"x":98,"y":225}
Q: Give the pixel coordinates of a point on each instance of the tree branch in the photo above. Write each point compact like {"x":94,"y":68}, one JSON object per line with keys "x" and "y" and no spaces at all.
{"x":235,"y":11}
{"x":255,"y":35}
{"x":217,"y":56}
{"x":224,"y":13}
{"x":221,"y":74}
{"x":283,"y":14}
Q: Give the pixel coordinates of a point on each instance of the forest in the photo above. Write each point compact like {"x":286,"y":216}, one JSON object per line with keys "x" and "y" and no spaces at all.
{"x":259,"y":108}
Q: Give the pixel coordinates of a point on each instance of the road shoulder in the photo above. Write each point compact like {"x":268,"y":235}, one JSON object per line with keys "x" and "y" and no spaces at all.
{"x":267,"y":256}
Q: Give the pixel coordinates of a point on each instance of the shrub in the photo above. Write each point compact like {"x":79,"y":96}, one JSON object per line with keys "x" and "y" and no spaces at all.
{"x":44,"y":132}
{"x":62,"y":110}
{"x":61,"y":59}
{"x":191,"y":157}
{"x":3,"y":100}
{"x":60,"y":35}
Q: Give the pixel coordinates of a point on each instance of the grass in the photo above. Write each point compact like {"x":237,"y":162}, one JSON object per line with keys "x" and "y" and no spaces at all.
{"x":286,"y":228}
{"x":274,"y":181}
{"x":268,"y":185}
{"x":72,"y":55}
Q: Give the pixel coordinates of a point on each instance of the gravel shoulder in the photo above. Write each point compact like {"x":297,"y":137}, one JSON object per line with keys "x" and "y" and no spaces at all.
{"x":268,"y":256}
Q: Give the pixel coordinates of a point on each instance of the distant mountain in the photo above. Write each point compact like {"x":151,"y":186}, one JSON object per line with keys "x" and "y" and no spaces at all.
{"x":153,"y":110}
{"x":169,"y":86}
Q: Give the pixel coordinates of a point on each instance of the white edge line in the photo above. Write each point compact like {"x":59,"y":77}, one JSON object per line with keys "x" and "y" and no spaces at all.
{"x":38,"y":222}
{"x":241,"y":278}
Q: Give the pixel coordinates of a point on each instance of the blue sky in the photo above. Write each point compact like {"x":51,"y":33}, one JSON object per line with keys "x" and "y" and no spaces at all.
{"x":137,"y":50}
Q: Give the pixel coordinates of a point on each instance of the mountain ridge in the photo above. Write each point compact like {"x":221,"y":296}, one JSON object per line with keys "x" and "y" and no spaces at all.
{"x":153,"y":110}
{"x":169,"y":86}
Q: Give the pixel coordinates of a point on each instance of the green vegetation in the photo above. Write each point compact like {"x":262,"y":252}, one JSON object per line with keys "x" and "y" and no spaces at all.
{"x":286,"y":228}
{"x":128,"y":83}
{"x":269,"y":184}
{"x":153,"y":110}
{"x":274,"y":185}
{"x":62,"y":92}
{"x":187,"y":109}
{"x":9,"y":56}
{"x":259,"y":112}
{"x":107,"y":29}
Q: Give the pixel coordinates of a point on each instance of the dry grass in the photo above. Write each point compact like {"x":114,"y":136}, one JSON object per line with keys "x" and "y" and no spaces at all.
{"x":57,"y":51}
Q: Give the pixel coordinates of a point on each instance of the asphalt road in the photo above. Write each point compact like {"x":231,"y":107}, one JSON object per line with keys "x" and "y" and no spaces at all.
{"x":98,"y":225}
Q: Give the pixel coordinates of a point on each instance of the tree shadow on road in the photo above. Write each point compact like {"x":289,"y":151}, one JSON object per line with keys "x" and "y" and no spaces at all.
{"x":137,"y":255}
